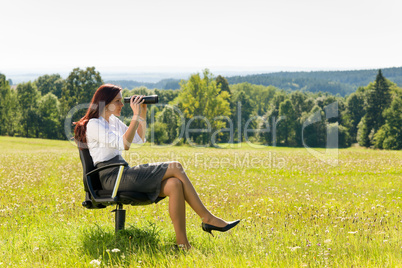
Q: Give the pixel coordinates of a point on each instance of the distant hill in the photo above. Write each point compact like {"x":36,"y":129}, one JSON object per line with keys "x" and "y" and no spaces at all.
{"x":334,"y":82}
{"x":163,"y":84}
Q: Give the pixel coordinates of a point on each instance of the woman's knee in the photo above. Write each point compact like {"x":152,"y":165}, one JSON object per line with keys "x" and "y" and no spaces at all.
{"x":176,"y":165}
{"x":171,"y":186}
{"x":174,"y":184}
{"x":175,"y":169}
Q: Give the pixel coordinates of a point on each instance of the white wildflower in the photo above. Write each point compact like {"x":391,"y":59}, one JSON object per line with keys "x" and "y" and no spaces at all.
{"x":95,"y":262}
{"x":115,"y":250}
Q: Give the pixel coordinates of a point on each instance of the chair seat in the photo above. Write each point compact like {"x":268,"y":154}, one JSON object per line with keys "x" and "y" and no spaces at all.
{"x":128,"y":198}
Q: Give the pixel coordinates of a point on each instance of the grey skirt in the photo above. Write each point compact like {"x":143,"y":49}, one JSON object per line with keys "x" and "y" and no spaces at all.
{"x":146,"y":178}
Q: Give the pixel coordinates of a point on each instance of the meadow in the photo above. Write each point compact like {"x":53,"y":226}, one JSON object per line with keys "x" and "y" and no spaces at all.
{"x":296,"y":211}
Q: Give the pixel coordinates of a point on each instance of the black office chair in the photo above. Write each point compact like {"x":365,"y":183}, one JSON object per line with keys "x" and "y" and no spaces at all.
{"x":97,"y":198}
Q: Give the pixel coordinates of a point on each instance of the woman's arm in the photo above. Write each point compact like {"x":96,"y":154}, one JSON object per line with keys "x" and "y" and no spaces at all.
{"x":137,"y":123}
{"x":142,"y":127}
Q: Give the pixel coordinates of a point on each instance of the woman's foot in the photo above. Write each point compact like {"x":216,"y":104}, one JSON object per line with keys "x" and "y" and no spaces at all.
{"x":209,"y":228}
{"x":182,"y":247}
{"x":215,"y":221}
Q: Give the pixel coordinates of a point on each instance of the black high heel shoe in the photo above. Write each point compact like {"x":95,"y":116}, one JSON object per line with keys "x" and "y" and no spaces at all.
{"x":208,"y":227}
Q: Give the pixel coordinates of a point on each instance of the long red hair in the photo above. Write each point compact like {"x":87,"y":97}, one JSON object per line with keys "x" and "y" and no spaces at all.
{"x":102,"y":97}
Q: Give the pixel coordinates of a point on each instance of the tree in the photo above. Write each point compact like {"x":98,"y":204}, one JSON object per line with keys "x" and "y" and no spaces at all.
{"x":286,"y":127}
{"x":28,"y":96}
{"x":314,"y":134}
{"x":272,"y":117}
{"x":354,"y":112}
{"x":201,"y":102}
{"x":344,"y":139}
{"x":363,"y":133}
{"x":390,"y":134}
{"x":172,"y":122}
{"x":79,"y":87}
{"x":5,"y":107}
{"x":301,"y":103}
{"x":378,"y":99}
{"x":11,"y":124}
{"x":223,"y":84}
{"x":160,"y":135}
{"x":166,"y":96}
{"x":50,"y":84}
{"x":49,"y":117}
{"x":243,"y":110}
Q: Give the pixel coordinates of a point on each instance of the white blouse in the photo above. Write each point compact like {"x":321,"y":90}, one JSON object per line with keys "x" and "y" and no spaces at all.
{"x":105,"y":139}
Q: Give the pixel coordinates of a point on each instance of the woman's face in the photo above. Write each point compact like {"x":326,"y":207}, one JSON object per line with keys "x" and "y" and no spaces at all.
{"x":116,"y":105}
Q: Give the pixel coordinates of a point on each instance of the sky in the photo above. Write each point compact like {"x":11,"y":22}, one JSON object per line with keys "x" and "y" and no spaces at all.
{"x":185,"y":35}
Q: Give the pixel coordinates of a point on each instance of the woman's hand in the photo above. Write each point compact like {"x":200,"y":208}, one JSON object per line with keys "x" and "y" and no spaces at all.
{"x":136,"y":104}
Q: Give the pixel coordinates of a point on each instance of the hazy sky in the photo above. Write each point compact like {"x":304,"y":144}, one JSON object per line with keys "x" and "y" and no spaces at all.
{"x":192,"y":35}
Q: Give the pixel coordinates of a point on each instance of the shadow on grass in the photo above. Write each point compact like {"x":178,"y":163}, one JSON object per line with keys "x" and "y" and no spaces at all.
{"x":112,"y":248}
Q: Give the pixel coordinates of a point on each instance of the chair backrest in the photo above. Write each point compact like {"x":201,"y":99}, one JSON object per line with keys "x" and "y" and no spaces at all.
{"x":87,"y":166}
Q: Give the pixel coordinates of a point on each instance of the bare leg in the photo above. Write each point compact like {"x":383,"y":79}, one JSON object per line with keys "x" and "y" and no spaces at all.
{"x":173,"y":188}
{"x":176,"y":170}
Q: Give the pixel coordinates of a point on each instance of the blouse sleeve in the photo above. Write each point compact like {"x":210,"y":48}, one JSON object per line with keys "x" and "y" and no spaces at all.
{"x":123,"y":128}
{"x":108,"y":138}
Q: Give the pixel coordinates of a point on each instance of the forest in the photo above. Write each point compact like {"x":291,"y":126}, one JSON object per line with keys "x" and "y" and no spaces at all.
{"x":216,"y":111}
{"x":335,"y":82}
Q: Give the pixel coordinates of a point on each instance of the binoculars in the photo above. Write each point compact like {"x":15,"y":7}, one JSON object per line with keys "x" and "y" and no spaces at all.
{"x":152,"y":99}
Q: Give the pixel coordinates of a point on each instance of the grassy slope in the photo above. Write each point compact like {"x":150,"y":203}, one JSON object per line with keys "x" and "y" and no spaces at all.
{"x":296,"y":210}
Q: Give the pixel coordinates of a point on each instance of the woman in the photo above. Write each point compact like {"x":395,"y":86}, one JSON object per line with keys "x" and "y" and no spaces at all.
{"x":106,"y":136}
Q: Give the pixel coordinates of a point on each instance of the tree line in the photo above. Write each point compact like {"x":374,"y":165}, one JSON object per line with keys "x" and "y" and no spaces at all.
{"x":335,"y":82}
{"x":207,"y":111}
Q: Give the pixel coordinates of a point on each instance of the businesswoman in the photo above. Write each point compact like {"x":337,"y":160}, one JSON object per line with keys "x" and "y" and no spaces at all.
{"x":106,"y":136}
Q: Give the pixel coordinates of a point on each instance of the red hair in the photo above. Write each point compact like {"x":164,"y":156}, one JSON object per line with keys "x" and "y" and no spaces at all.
{"x":102,"y":97}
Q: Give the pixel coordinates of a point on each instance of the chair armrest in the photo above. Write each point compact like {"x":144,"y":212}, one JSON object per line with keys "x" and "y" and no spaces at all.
{"x":107,"y":166}
{"x":117,"y":183}
{"x":116,"y":186}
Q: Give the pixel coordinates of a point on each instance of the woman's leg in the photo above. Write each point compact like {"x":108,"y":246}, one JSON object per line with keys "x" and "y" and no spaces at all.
{"x":176,"y":170}
{"x":173,"y":188}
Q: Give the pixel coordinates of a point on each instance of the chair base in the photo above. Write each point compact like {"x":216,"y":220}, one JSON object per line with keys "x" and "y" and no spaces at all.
{"x":120,"y":218}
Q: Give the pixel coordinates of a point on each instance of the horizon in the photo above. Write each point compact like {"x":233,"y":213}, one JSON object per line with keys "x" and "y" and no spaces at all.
{"x":153,"y":76}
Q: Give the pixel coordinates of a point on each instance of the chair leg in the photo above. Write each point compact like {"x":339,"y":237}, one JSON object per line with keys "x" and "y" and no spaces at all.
{"x":120,"y":218}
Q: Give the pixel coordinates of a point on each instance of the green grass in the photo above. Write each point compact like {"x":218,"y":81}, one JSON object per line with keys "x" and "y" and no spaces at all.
{"x":296,"y":211}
